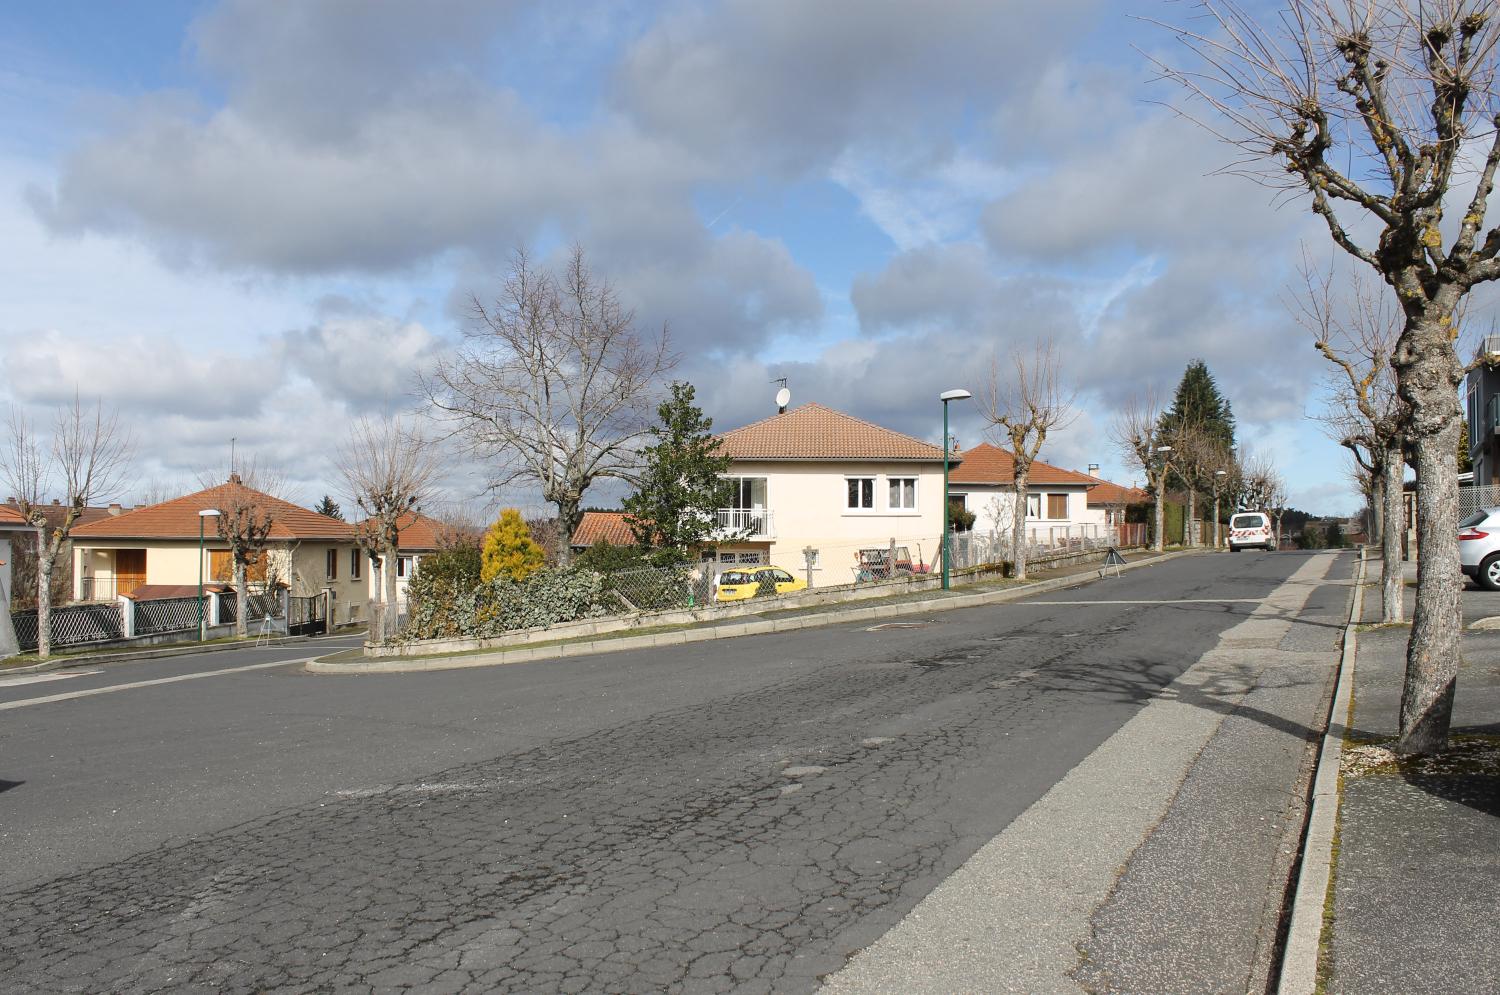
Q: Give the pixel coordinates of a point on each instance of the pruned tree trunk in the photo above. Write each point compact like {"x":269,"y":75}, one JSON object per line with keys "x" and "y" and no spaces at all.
{"x":392,"y":619}
{"x":1189,"y":535}
{"x":1390,"y":513}
{"x":241,"y":600}
{"x":1018,"y":527}
{"x":1160,"y":543}
{"x":1428,"y":378}
{"x":569,"y":514}
{"x":43,"y":603}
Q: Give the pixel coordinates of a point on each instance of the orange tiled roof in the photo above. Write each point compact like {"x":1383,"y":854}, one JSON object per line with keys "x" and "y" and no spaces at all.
{"x":54,"y":512}
{"x":419,"y":533}
{"x":10,"y":516}
{"x":178,"y":518}
{"x":987,"y":464}
{"x":813,"y":432}
{"x":603,"y":526}
{"x":1107,"y":493}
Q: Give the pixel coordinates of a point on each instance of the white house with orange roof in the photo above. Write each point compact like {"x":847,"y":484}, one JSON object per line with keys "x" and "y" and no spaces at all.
{"x":158,"y":546}
{"x":1057,"y":500}
{"x":816,"y":483}
{"x":417,"y":535}
{"x":12,"y":525}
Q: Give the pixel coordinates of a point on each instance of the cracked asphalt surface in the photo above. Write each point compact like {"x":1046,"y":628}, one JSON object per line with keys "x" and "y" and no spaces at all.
{"x":733,"y":816}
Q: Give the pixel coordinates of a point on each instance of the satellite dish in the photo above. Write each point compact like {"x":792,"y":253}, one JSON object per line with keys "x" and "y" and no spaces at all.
{"x":783,"y":398}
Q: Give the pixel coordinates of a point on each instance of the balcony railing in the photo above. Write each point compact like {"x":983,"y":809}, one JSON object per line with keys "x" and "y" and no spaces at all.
{"x":752,"y":523}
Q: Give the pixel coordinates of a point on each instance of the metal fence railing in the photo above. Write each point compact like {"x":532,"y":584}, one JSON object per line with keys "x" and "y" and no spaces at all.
{"x":166,"y":615}
{"x":1471,"y":499}
{"x":92,"y":588}
{"x":258,"y":605}
{"x":72,"y":625}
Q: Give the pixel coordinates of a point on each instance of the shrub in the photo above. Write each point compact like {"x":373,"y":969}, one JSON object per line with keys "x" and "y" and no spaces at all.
{"x":439,"y":608}
{"x":509,"y":550}
{"x":460,"y":564}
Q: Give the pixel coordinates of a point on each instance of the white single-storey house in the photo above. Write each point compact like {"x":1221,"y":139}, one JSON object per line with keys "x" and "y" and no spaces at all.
{"x":1057,"y":500}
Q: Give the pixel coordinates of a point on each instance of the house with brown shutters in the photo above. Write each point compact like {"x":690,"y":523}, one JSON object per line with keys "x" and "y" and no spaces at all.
{"x":1057,"y":500}
{"x":158,"y":546}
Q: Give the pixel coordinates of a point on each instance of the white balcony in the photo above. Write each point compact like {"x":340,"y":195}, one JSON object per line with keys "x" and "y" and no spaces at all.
{"x":752,"y":523}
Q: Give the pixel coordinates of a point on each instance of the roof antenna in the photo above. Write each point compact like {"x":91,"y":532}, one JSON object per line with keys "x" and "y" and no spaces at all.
{"x":783,"y":396}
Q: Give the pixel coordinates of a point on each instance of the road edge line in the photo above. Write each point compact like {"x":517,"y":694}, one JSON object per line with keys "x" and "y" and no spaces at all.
{"x":1299,"y":958}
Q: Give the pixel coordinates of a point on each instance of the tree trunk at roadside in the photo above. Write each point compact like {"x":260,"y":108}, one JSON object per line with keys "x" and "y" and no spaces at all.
{"x":1160,"y":543}
{"x":43,"y":604}
{"x":392,"y":616}
{"x":1392,"y":582}
{"x":1427,"y":378}
{"x":1189,"y":534}
{"x":1018,"y":527}
{"x":241,"y":600}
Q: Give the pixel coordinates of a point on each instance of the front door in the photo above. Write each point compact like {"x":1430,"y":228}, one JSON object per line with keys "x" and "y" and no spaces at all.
{"x":130,"y":570}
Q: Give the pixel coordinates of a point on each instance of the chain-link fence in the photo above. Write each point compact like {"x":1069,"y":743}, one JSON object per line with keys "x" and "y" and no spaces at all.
{"x":1472,"y":499}
{"x":646,"y":589}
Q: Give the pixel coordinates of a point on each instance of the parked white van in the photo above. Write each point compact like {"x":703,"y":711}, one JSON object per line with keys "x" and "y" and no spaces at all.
{"x":1251,"y":530}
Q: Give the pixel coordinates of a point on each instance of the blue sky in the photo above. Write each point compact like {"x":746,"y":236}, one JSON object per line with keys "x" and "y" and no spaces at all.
{"x":255,"y":220}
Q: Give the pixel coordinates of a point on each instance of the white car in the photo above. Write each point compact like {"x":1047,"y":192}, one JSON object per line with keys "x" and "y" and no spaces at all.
{"x":1479,"y":547}
{"x":1251,"y":530}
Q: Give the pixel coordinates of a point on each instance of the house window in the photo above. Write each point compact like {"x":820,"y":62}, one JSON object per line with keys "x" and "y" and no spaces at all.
{"x":403,"y":566}
{"x":961,"y":500}
{"x":1033,"y":506}
{"x":1057,"y":506}
{"x":861,"y":493}
{"x":221,"y":566}
{"x":903,"y":493}
{"x":354,"y":566}
{"x":333,"y":564}
{"x":747,"y":492}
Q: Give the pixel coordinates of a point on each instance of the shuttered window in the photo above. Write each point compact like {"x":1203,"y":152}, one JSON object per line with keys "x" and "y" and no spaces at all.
{"x":1057,"y":506}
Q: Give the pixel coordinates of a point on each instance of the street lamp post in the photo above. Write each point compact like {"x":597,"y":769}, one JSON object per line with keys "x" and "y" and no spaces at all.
{"x":1219,"y":476}
{"x":958,"y":394}
{"x":203,"y":515}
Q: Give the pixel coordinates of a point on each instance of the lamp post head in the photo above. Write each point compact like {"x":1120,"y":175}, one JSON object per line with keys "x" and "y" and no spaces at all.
{"x":1164,"y":449}
{"x":209,"y":513}
{"x":1221,"y":473}
{"x":957,"y":394}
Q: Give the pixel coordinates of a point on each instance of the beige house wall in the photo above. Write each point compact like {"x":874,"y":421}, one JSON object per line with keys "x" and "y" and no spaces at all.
{"x":301,"y":566}
{"x":809,"y":508}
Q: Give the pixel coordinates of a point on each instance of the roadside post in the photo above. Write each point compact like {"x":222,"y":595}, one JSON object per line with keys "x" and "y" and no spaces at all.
{"x":957,"y":394}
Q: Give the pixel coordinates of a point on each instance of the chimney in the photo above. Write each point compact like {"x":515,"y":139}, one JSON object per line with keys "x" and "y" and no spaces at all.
{"x":1093,"y":469}
{"x":234,"y":478}
{"x":56,"y":502}
{"x":115,"y":509}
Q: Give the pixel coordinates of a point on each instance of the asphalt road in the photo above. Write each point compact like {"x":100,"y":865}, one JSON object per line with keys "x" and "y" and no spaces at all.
{"x":738,"y":815}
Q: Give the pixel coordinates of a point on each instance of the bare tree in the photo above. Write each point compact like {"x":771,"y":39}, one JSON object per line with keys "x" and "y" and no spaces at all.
{"x":1264,"y":490}
{"x":248,"y":505}
{"x":1406,"y":87}
{"x":1135,"y":431}
{"x":1195,"y":457}
{"x":554,"y":384}
{"x":1365,"y":414}
{"x":1027,"y":399}
{"x":389,"y":470}
{"x":87,"y":456}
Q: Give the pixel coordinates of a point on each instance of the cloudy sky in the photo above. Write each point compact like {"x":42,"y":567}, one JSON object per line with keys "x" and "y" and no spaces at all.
{"x":256,"y":220}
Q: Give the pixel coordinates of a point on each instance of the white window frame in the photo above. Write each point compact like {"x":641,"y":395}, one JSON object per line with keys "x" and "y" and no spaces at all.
{"x":901,"y":509}
{"x":1033,"y":506}
{"x":850,"y":509}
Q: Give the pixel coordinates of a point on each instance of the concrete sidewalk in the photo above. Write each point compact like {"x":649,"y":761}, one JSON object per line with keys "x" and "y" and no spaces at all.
{"x":1418,"y":857}
{"x":1161,"y":863}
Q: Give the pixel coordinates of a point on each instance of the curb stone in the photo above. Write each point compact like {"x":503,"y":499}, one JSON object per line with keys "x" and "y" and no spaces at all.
{"x":405,"y":665}
{"x":167,"y":650}
{"x":1299,"y":960}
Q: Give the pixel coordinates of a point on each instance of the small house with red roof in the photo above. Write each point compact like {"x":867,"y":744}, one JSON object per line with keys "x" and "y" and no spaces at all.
{"x":1057,"y":500}
{"x":158,"y":546}
{"x":12,"y":525}
{"x":417,"y":535}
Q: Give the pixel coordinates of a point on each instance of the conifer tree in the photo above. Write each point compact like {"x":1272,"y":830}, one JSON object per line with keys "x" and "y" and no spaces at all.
{"x":510,"y":550}
{"x":682,"y":484}
{"x":329,"y":508}
{"x":1199,"y":406}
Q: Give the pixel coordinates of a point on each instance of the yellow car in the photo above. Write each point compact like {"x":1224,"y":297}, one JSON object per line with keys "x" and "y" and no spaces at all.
{"x":744,"y":583}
